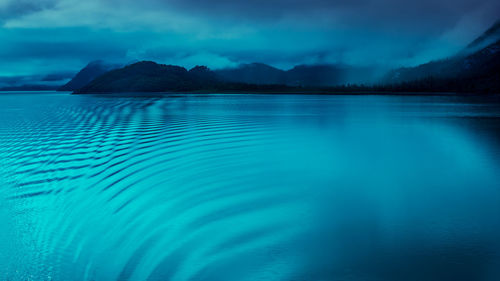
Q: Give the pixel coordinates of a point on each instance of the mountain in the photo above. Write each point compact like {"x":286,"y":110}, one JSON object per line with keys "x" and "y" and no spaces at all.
{"x":147,"y":76}
{"x":478,"y":72}
{"x":322,"y":75}
{"x":87,"y":74}
{"x":315,"y":75}
{"x":490,"y":36}
{"x":253,"y":73}
{"x":202,"y":74}
{"x":478,"y":63}
{"x":467,"y":71}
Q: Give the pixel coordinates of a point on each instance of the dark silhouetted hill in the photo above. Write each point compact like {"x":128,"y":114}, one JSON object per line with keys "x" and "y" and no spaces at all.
{"x":147,"y":76}
{"x":87,"y":74}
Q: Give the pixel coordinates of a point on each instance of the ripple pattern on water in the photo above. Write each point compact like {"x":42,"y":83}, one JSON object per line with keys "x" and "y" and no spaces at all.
{"x":245,"y":188}
{"x":127,"y":179}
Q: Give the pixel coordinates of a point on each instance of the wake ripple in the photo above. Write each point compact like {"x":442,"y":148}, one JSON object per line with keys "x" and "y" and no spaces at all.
{"x":124,"y":190}
{"x":248,"y":187}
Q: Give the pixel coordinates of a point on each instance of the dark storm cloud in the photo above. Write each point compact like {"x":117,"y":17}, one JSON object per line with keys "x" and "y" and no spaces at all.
{"x":46,"y":36}
{"x":16,"y":8}
{"x":61,"y":50}
{"x":436,"y":13}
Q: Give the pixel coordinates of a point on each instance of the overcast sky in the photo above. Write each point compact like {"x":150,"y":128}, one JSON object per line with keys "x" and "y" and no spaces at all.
{"x":58,"y":37}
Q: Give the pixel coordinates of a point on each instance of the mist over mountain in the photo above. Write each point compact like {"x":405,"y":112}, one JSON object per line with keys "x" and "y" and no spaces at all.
{"x":483,"y":62}
{"x":253,"y":73}
{"x":475,"y":71}
{"x":328,"y":75}
{"x":490,"y":36}
{"x":320,"y":75}
{"x":87,"y":74}
{"x":479,"y":61}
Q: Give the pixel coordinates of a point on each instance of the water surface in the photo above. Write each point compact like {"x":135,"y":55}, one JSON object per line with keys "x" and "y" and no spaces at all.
{"x":249,"y":187}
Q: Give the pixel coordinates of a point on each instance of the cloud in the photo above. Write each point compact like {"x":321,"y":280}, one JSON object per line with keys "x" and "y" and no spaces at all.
{"x":17,"y":8}
{"x":57,"y":78}
{"x":395,"y":14}
{"x":214,"y":15}
{"x":46,"y":36}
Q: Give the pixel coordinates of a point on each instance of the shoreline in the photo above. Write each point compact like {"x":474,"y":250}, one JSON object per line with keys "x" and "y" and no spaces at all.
{"x":317,"y":93}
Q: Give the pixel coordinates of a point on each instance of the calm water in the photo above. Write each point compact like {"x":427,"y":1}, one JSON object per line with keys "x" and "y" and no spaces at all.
{"x":249,"y":187}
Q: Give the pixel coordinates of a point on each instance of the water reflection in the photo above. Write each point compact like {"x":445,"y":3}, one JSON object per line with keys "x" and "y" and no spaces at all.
{"x":249,"y":187}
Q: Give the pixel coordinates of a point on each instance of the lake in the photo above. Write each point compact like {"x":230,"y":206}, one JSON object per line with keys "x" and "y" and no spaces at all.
{"x":249,"y":187}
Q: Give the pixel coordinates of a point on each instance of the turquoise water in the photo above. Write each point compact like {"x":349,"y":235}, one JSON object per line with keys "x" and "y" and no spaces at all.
{"x":249,"y":187}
